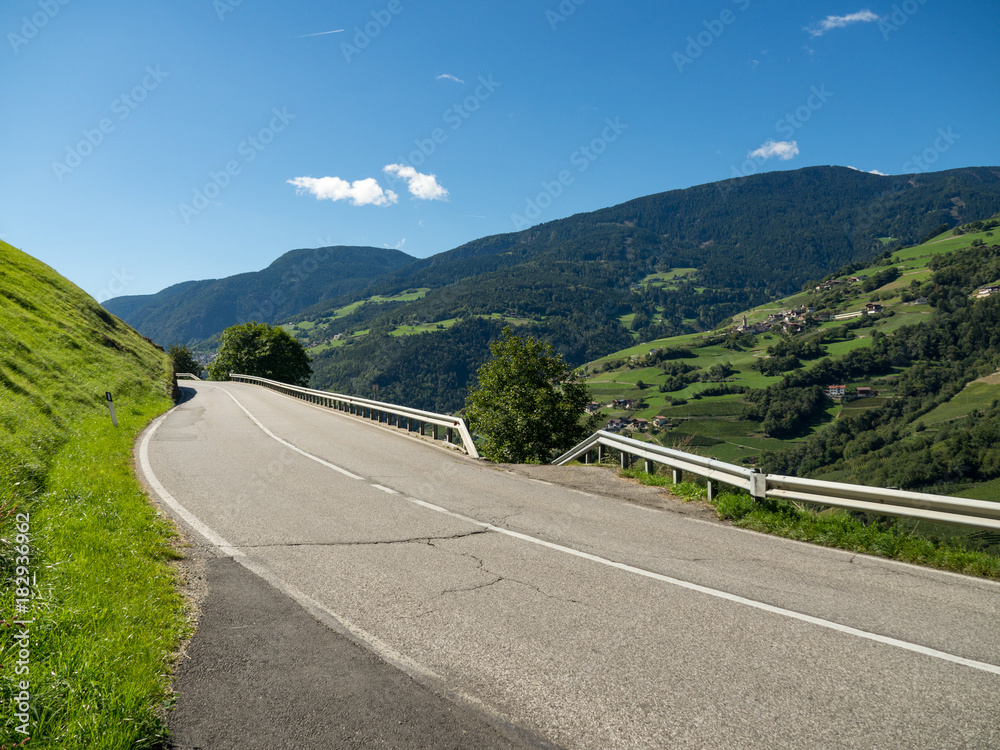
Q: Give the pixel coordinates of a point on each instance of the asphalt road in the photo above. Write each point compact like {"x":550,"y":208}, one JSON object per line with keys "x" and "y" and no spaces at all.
{"x":505,"y":609}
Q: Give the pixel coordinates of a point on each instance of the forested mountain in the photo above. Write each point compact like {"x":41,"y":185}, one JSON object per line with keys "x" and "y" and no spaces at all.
{"x":195,"y":310}
{"x":657,"y":266}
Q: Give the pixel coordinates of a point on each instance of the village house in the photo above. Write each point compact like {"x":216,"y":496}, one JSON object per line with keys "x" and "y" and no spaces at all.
{"x":873,"y":307}
{"x":865,"y":392}
{"x":836,"y":391}
{"x":987,"y":291}
{"x":626,"y":404}
{"x":593,"y":407}
{"x":660,"y":421}
{"x":640,"y":424}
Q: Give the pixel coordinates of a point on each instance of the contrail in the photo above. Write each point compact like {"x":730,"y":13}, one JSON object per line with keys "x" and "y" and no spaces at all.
{"x":320,"y":33}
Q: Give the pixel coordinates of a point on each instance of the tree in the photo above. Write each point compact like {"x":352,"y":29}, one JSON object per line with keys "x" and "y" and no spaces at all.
{"x":261,"y":350}
{"x":528,"y":402}
{"x":183,"y":360}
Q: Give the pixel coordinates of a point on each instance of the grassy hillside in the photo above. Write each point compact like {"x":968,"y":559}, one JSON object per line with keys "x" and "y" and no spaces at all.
{"x":82,"y":553}
{"x":757,"y":397}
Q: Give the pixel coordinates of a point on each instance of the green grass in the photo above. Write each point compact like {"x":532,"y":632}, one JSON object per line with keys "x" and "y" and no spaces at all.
{"x":834,"y":528}
{"x":976,"y":395}
{"x":107,"y":615}
{"x":346,"y":310}
{"x":985,"y":491}
{"x":718,"y":406}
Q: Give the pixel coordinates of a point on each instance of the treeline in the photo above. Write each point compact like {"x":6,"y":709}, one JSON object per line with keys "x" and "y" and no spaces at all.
{"x":428,"y":371}
{"x":435,"y":370}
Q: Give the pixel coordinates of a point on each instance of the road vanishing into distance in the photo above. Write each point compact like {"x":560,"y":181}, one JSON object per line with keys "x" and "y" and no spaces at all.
{"x":493,"y":609}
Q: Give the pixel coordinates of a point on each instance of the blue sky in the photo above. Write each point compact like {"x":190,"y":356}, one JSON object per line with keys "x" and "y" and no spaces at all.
{"x":149,"y":143}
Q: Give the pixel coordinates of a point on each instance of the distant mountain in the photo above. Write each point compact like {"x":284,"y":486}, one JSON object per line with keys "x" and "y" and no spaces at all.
{"x":195,"y":310}
{"x":767,"y":233}
{"x":662,"y":265}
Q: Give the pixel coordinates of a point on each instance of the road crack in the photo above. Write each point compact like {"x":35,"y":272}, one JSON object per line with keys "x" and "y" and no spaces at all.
{"x":427,"y":539}
{"x":499,"y":578}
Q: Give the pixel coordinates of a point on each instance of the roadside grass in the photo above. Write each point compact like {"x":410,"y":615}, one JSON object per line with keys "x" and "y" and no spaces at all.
{"x":103,"y":614}
{"x":106,"y":613}
{"x":833,"y":528}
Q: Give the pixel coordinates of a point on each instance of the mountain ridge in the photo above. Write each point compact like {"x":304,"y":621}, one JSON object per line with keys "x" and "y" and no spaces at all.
{"x":195,"y":310}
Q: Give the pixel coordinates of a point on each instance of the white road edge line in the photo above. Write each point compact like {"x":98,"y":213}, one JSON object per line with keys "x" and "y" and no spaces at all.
{"x":325,"y":615}
{"x":791,"y":614}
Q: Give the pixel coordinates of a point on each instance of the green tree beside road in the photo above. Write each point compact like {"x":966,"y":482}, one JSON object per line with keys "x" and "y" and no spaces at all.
{"x":183,"y":360}
{"x":528,"y":402}
{"x":261,"y":350}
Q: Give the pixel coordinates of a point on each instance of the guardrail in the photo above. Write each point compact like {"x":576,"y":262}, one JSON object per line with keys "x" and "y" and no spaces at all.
{"x":918,"y":505}
{"x":187,"y":375}
{"x":749,"y":480}
{"x":403,"y":417}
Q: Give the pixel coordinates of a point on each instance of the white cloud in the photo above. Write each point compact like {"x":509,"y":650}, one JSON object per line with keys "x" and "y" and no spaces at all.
{"x":423,"y":186}
{"x":365,"y":192}
{"x":783,"y":150}
{"x":449,"y":77}
{"x":870,"y":171}
{"x":838,"y":22}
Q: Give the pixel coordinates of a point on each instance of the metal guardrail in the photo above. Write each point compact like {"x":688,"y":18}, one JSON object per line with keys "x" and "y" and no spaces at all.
{"x":712,"y":469}
{"x":187,"y":375}
{"x":918,"y":505}
{"x":412,"y":420}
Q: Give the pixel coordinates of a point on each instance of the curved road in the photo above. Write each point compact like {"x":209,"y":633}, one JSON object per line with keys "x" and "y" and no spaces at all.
{"x":543,"y":614}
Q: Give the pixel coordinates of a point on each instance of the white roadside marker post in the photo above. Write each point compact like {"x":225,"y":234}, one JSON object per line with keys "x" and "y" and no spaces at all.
{"x":111,"y":408}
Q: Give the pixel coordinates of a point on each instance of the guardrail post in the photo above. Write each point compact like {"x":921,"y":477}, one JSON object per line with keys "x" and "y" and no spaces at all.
{"x":434,"y":431}
{"x":451,"y":435}
{"x":711,"y":489}
{"x":678,"y":476}
{"x":626,"y":460}
{"x":600,"y":453}
{"x":649,"y":467}
{"x":758,"y":485}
